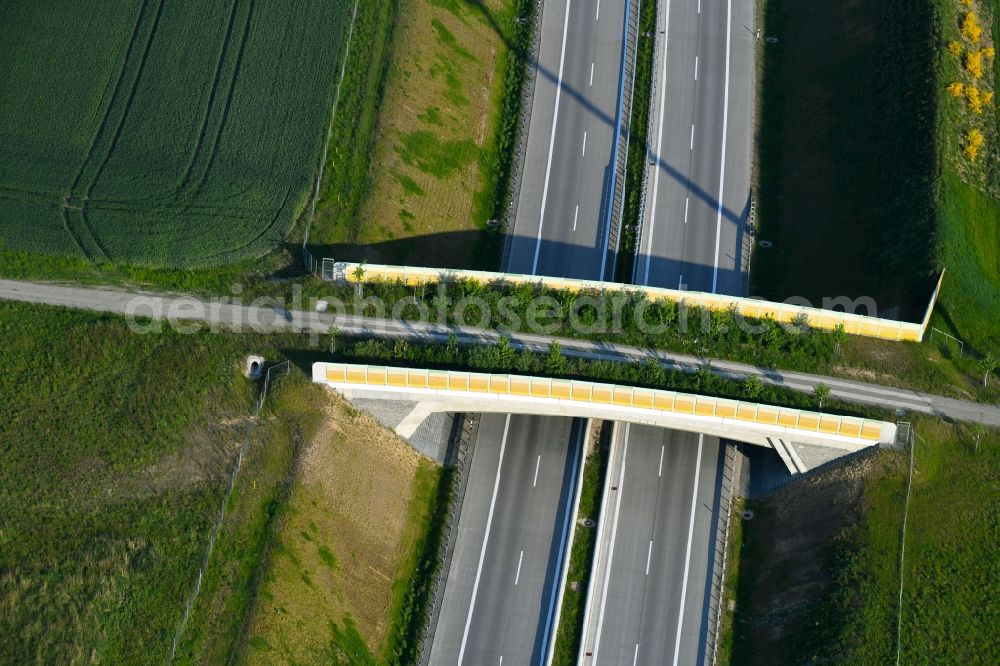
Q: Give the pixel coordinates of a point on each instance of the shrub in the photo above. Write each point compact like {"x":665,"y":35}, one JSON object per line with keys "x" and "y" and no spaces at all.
{"x":955,"y":48}
{"x":971,"y":28}
{"x":974,"y":64}
{"x":956,"y":89}
{"x":987,"y":98}
{"x":973,"y":142}
{"x":989,"y":53}
{"x":974,"y":98}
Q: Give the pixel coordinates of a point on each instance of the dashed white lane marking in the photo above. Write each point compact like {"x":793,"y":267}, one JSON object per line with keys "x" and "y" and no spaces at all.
{"x":486,"y":538}
{"x":649,"y":556}
{"x":662,"y":449}
{"x":576,"y":214}
{"x":699,"y":6}
{"x":584,"y":151}
{"x":517,"y":577}
{"x":692,"y":137}
{"x":696,"y":68}
{"x":635,"y":656}
{"x":538,"y":464}
{"x":591,"y":73}
{"x":680,"y":282}
{"x":597,"y":16}
{"x":687,"y":203}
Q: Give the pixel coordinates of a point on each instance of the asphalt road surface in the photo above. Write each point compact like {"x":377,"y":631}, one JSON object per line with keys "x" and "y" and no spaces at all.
{"x":499,"y":598}
{"x":655,"y":610}
{"x":560,"y":227}
{"x":698,"y":176}
{"x":146,"y":307}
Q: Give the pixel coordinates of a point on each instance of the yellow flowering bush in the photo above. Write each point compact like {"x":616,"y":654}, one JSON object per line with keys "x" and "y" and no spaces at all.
{"x":954,"y":48}
{"x":974,"y":64}
{"x":956,"y":89}
{"x":973,"y":142}
{"x":971,"y":28}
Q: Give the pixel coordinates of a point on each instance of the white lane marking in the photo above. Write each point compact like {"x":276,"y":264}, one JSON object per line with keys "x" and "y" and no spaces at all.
{"x":576,"y":213}
{"x":597,"y":16}
{"x":725,"y":128}
{"x":591,"y":73}
{"x":680,"y":282}
{"x":649,"y":556}
{"x":537,"y":465}
{"x":662,"y":449}
{"x":552,"y":140}
{"x":635,"y":656}
{"x":696,"y":68}
{"x":699,"y":6}
{"x":517,"y":576}
{"x":611,"y":550}
{"x":687,"y":203}
{"x":584,"y":151}
{"x":687,"y":556}
{"x":560,"y":558}
{"x":659,"y":148}
{"x":486,"y":538}
{"x":692,"y":137}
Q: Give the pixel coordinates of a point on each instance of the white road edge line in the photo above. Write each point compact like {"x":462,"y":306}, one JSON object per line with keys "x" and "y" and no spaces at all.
{"x":649,"y":556}
{"x":584,"y":151}
{"x":555,"y":600}
{"x":611,"y":549}
{"x":517,"y":576}
{"x":659,"y":148}
{"x":725,"y":128}
{"x":687,"y":556}
{"x":486,"y":538}
{"x":538,"y":464}
{"x":552,"y":140}
{"x":591,"y":73}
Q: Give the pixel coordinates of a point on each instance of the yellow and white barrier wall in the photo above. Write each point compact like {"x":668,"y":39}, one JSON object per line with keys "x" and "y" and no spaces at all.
{"x":854,"y":324}
{"x":750,"y":422}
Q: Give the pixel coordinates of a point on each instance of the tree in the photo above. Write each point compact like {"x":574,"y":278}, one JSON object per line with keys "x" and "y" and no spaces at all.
{"x":839,"y":336}
{"x":452,"y":345}
{"x":753,"y":387}
{"x":334,"y":334}
{"x":978,"y":430}
{"x":359,"y":275}
{"x":505,"y":353}
{"x":987,"y":365}
{"x":821,"y":392}
{"x":555,"y":362}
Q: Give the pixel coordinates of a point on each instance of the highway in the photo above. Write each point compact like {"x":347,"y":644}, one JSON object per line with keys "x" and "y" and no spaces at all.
{"x":661,"y":511}
{"x":499,"y":598}
{"x":148,"y":308}
{"x":560,"y":228}
{"x":698,"y":176}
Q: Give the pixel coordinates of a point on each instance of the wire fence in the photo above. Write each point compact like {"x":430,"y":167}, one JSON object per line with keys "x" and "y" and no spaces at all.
{"x":272,"y":375}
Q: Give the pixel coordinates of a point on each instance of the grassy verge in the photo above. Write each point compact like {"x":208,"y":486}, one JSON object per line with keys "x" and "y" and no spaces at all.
{"x":969,"y":191}
{"x":112,"y":474}
{"x":440,"y":141}
{"x":570,"y":630}
{"x":637,"y":141}
{"x":730,"y":586}
{"x":848,"y":577}
{"x":348,"y":547}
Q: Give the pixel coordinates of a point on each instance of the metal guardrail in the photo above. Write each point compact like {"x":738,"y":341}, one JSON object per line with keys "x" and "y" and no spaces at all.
{"x":854,"y":324}
{"x":598,"y":394}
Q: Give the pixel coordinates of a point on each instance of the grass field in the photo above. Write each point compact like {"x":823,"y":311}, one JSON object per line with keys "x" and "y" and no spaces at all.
{"x":969,"y":194}
{"x":347,"y":545}
{"x":160,"y":133}
{"x":847,"y":162}
{"x":830,"y":586}
{"x":428,"y":190}
{"x":116,"y":448}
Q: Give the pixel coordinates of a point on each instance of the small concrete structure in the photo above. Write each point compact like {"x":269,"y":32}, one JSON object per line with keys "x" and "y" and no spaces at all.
{"x":254,"y":367}
{"x":801,"y":438}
